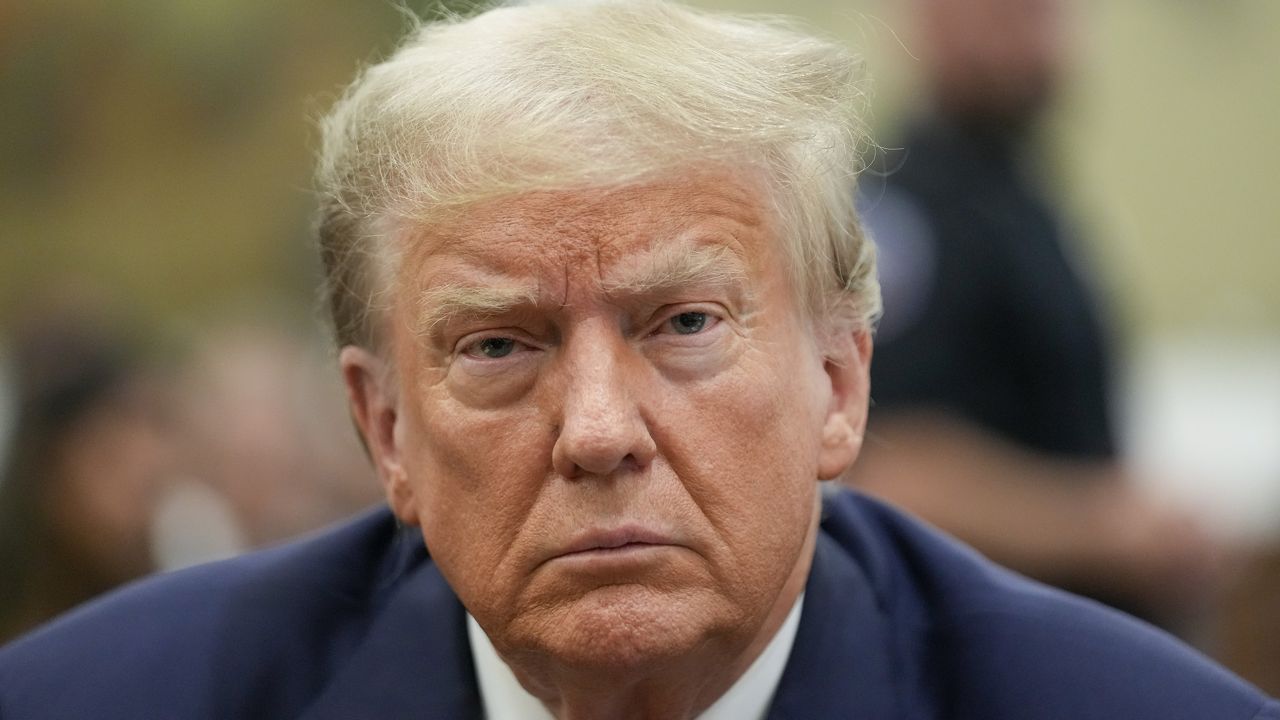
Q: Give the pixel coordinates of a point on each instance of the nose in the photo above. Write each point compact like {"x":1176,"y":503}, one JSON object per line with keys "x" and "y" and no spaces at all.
{"x":601,"y":430}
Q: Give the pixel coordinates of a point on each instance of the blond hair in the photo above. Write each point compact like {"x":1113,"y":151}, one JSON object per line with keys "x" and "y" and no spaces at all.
{"x":595,"y":93}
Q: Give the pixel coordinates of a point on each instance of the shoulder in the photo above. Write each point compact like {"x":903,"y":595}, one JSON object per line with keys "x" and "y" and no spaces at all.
{"x":991,"y":644}
{"x":171,"y":644}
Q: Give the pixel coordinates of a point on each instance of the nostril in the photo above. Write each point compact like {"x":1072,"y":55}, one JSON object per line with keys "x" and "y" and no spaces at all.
{"x":632,"y":464}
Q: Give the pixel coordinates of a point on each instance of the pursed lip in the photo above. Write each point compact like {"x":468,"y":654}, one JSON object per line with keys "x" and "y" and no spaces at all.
{"x":595,"y":539}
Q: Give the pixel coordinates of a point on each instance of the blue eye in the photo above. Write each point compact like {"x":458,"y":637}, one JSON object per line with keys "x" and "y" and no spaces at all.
{"x":688,"y":323}
{"x":495,"y":347}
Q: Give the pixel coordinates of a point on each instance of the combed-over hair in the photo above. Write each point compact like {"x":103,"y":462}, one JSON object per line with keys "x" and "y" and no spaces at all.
{"x":557,"y":95}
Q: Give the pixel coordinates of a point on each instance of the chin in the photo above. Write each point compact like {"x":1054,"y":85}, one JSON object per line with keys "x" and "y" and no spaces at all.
{"x":631,"y":627}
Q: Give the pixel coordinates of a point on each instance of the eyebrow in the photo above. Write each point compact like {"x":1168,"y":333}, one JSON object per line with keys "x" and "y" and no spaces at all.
{"x":667,"y":271}
{"x":441,"y":304}
{"x":654,"y":275}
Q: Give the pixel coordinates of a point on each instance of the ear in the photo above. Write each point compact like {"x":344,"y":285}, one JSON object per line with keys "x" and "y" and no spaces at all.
{"x":847,"y":364}
{"x":374,"y":399}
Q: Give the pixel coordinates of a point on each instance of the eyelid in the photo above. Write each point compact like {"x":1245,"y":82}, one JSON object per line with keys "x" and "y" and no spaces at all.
{"x":471,"y":340}
{"x":715,"y":315}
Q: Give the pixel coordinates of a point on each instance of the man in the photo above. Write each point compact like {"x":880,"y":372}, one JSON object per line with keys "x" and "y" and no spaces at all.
{"x":991,"y":394}
{"x":605,"y":315}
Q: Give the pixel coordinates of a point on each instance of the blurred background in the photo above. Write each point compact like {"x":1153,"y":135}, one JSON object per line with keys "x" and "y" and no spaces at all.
{"x":166,"y":374}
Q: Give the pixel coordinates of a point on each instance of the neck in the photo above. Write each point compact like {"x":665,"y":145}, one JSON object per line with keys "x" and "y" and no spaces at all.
{"x":680,"y":689}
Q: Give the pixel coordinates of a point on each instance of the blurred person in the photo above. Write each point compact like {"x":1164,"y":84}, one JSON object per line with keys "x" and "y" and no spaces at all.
{"x":88,"y":455}
{"x":605,"y":314}
{"x":265,"y":428}
{"x":992,"y":393}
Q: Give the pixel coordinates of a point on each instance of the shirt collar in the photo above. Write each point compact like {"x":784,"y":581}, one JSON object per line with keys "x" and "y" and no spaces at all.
{"x":749,"y":697}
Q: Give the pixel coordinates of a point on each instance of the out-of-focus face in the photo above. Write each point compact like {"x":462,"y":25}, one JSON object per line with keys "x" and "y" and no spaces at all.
{"x":1001,"y":58}
{"x":611,"y":418}
{"x":111,"y":468}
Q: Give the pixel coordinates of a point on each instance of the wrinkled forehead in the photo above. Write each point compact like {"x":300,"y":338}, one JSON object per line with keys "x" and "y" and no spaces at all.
{"x":599,"y":238}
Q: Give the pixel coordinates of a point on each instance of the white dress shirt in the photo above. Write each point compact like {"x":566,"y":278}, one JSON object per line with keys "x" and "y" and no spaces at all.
{"x":748,"y":699}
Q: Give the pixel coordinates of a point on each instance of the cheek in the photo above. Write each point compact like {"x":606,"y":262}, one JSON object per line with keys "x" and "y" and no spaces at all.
{"x":475,"y":475}
{"x":746,"y":446}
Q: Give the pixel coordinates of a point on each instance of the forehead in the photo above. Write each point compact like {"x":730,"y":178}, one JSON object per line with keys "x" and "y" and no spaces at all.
{"x":577,"y":234}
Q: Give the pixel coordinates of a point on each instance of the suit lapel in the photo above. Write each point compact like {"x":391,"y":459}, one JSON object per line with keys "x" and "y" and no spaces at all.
{"x":841,"y":665}
{"x":415,"y":661}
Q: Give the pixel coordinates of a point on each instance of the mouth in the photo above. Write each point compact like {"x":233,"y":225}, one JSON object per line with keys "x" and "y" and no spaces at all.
{"x":615,"y":543}
{"x":614,"y":550}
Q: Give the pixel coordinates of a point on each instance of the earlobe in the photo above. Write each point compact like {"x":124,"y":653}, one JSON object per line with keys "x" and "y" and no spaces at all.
{"x":373,"y":399}
{"x":848,"y":370}
{"x":840,"y":447}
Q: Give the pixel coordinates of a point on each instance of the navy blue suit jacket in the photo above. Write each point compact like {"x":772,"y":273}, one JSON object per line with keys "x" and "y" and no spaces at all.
{"x":898,"y":622}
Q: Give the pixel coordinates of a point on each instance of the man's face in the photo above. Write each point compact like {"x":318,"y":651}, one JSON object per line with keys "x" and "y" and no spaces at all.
{"x":610,"y":418}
